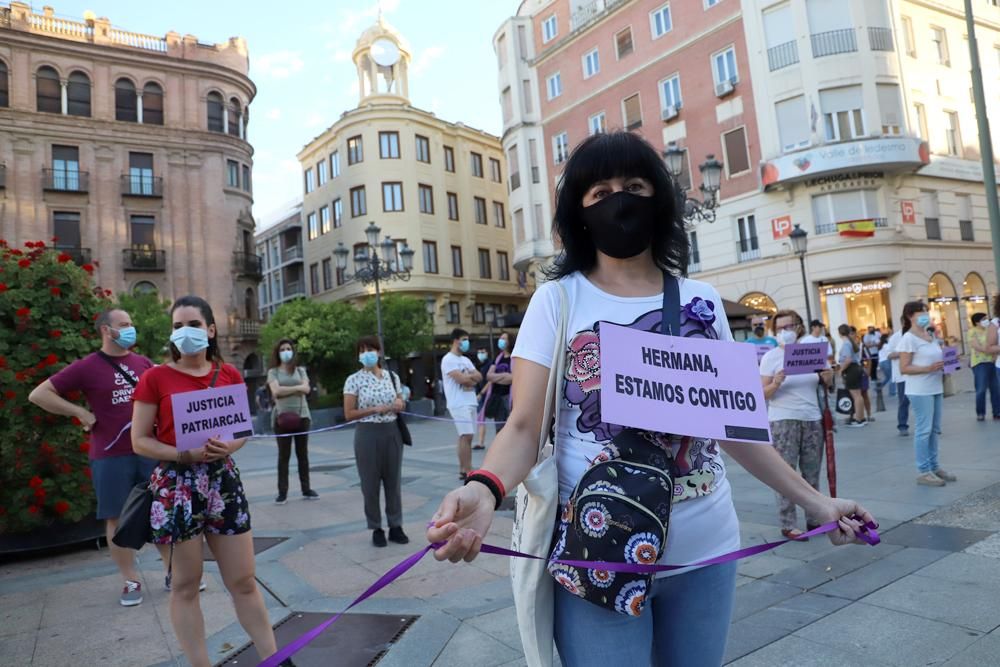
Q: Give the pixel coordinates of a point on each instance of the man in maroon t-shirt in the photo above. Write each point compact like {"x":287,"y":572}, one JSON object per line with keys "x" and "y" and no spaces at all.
{"x":107,"y":378}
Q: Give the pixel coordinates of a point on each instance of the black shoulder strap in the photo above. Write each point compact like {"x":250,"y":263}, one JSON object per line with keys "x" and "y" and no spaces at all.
{"x":215,"y":376}
{"x":121,"y":371}
{"x":671,"y":324}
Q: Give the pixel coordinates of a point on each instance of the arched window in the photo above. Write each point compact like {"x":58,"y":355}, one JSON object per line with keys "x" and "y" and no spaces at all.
{"x":4,"y":86}
{"x":48,"y":92}
{"x":235,"y":116}
{"x":974,"y":295}
{"x":249,"y":303}
{"x":152,"y":104}
{"x":126,"y":104}
{"x":78,"y":95}
{"x":144,"y":287}
{"x":943,"y":306}
{"x":216,"y":109}
{"x":759,"y":301}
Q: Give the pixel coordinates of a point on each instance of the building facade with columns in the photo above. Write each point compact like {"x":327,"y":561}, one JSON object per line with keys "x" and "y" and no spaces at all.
{"x":132,"y":151}
{"x":433,"y":186}
{"x":854,"y":111}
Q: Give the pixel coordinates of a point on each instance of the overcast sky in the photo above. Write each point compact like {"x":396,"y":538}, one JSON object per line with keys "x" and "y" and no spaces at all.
{"x":300,"y":59}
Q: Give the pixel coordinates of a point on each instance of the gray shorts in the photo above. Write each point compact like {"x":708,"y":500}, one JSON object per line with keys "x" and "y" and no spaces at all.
{"x":114,"y":477}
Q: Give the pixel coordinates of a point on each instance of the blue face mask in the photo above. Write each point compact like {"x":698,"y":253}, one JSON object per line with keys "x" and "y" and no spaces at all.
{"x":502,"y":344}
{"x":464,"y":345}
{"x":189,"y":340}
{"x":368,"y":359}
{"x":286,"y":356}
{"x":924,"y":321}
{"x":126,"y":337}
{"x":482,"y":357}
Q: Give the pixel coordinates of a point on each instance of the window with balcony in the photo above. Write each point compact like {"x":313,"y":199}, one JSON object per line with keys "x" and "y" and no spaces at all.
{"x":832,"y":27}
{"x":321,"y":172}
{"x":779,"y":32}
{"x":597,"y":123}
{"x":831,"y":208}
{"x":632,"y":112}
{"x":449,"y":159}
{"x":452,"y":206}
{"x":748,"y":246}
{"x":314,"y":278}
{"x":843,"y":114}
{"x":939,"y":44}
{"x":456,"y":261}
{"x":423,"y":149}
{"x":952,"y":134}
{"x":724,"y":67}
{"x":498,"y":216}
{"x":495,"y":173}
{"x":793,"y":123}
{"x":591,"y":63}
{"x":670,"y":94}
{"x":312,"y":226}
{"x":560,"y":148}
{"x":623,"y":43}
{"x":430,"y":257}
{"x":310,"y":180}
{"x":324,"y":219}
{"x":553,"y":85}
{"x":549,"y":29}
{"x":142,"y":229}
{"x":215,"y":108}
{"x":48,"y":91}
{"x":392,"y":197}
{"x":355,"y":150}
{"x":359,"y":205}
{"x":66,"y":230}
{"x":426,"y":195}
{"x":660,"y":22}
{"x":890,"y":108}
{"x":480,"y":206}
{"x":503,"y":266}
{"x":66,"y":174}
{"x":477,"y":164}
{"x":338,"y":213}
{"x":485,"y":271}
{"x":737,"y":151}
{"x":334,"y":164}
{"x":388,"y":145}
{"x":140,"y":175}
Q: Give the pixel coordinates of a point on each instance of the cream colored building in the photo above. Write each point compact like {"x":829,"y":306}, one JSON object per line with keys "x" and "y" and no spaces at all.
{"x":132,"y":150}
{"x":433,"y":186}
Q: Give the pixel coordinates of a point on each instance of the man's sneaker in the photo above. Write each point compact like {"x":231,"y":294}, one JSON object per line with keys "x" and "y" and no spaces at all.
{"x":856,"y":424}
{"x":281,"y":499}
{"x":378,"y":538}
{"x":930,"y":479}
{"x":131,"y":594}
{"x":167,"y":586}
{"x":945,"y":475}
{"x":398,"y":536}
{"x":310,"y":495}
{"x":903,"y":432}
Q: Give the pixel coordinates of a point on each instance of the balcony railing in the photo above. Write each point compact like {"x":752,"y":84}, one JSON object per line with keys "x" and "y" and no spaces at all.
{"x":294,"y":288}
{"x":134,"y":259}
{"x":590,"y":11}
{"x":880,"y":39}
{"x":292,"y":252}
{"x":248,"y":264}
{"x":748,"y":250}
{"x":142,"y":186}
{"x":783,"y":55}
{"x":77,"y":255}
{"x":834,"y":42}
{"x":247,"y":328}
{"x":65,"y":180}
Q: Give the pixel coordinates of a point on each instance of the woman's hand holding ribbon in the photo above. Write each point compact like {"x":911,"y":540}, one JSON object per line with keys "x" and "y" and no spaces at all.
{"x":462,"y":521}
{"x":852,"y":519}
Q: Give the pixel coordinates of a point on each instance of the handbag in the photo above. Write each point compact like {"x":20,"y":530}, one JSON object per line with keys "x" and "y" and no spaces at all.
{"x":845,"y":402}
{"x":404,"y":430}
{"x":290,"y":422}
{"x":535,"y":509}
{"x":133,"y":529}
{"x":619,"y":511}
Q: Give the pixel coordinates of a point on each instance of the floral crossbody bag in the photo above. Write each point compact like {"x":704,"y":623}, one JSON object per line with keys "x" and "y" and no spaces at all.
{"x":619,"y":511}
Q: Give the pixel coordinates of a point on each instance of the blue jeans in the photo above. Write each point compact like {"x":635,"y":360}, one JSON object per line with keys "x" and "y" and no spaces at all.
{"x":903,"y":413}
{"x":886,"y":368}
{"x":685,"y":622}
{"x":927,"y":414}
{"x":985,"y":375}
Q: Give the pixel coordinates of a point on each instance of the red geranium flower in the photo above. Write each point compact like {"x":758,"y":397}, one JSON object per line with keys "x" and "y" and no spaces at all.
{"x":56,"y":291}
{"x":24,"y":263}
{"x":10,"y":394}
{"x":51,"y":360}
{"x":66,"y":469}
{"x":33,"y":509}
{"x":61,"y":507}
{"x":3,"y":287}
{"x":75,"y":421}
{"x":23,"y":312}
{"x":85,"y":447}
{"x":16,"y":252}
{"x":40,"y":493}
{"x":64,"y":257}
{"x":35,"y":482}
{"x":55,"y":333}
{"x":73,"y":395}
{"x":86,"y":471}
{"x":89,"y":268}
{"x":3,"y":361}
{"x":20,"y":376}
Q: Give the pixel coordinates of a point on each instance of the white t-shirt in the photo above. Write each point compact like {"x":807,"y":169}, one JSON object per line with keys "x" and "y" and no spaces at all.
{"x":883,"y":353}
{"x":455,"y":394}
{"x":796,"y":397}
{"x":893,"y":346}
{"x":703,"y":522}
{"x":996,"y":322}
{"x":925,"y":353}
{"x":809,"y":338}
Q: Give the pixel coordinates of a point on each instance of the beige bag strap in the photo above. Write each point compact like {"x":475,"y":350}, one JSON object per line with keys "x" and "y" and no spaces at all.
{"x":556,"y":372}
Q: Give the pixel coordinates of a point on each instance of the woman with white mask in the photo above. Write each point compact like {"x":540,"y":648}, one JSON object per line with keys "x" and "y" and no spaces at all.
{"x":290,"y":419}
{"x":794,"y":413}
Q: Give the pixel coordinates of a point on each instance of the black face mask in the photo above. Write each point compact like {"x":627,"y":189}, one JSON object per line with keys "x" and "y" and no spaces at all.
{"x":621,"y":225}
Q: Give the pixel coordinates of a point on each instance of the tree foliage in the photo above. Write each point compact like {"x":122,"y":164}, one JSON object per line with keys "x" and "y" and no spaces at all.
{"x":406,"y":325}
{"x":151,"y":316}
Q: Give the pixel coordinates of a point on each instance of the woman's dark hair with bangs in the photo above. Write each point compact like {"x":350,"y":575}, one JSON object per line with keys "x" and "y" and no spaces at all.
{"x":615,"y":155}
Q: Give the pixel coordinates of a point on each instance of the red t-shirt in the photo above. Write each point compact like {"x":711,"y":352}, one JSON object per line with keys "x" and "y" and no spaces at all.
{"x":109,"y":396}
{"x":158,"y":384}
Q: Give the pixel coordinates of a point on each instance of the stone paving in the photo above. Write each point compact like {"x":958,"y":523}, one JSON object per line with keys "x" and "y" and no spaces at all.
{"x":926,"y":595}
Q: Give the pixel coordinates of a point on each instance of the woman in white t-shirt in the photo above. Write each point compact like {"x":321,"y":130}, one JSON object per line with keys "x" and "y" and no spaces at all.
{"x":921,"y":361}
{"x":617,"y":218}
{"x":793,"y":410}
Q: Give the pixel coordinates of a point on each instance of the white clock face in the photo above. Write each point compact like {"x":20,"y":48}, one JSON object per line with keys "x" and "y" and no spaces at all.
{"x":385,"y":53}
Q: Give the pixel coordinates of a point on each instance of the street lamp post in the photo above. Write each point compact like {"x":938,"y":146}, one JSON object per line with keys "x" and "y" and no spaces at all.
{"x":711,"y":176}
{"x":370,"y":268}
{"x":490,"y":319}
{"x":800,"y":242}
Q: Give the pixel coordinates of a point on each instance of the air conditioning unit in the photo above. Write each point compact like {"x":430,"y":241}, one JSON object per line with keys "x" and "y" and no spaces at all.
{"x":723,"y":89}
{"x":669,"y":113}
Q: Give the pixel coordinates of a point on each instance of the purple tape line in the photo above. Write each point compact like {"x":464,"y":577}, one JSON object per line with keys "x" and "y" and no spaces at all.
{"x":868,"y":534}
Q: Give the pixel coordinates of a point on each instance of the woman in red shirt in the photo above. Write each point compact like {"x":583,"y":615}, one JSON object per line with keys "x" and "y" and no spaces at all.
{"x":197,"y":492}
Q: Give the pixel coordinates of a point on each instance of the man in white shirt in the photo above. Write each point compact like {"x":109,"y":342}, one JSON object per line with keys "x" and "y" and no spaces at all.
{"x":903,"y":413}
{"x":870,"y":340}
{"x":460,"y":380}
{"x":817,"y":335}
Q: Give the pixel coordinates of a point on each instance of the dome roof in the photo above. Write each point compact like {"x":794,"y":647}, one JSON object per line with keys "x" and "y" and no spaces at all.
{"x":381,"y":29}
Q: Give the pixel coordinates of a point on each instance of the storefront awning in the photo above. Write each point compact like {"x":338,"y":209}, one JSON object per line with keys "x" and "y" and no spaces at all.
{"x":883,"y":153}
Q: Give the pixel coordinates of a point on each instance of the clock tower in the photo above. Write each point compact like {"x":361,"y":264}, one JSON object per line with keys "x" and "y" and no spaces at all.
{"x":383,"y":60}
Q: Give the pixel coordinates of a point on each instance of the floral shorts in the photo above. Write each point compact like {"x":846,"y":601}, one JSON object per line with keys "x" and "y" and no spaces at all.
{"x":195,"y":499}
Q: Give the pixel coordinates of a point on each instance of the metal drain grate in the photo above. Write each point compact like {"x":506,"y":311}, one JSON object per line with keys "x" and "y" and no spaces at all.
{"x":259,"y":544}
{"x":355,"y":640}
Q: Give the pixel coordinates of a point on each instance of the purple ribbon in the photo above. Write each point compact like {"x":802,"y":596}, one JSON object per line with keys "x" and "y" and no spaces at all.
{"x":868,"y":533}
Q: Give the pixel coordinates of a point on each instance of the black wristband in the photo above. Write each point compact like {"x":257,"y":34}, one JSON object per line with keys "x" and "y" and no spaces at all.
{"x":489,"y":484}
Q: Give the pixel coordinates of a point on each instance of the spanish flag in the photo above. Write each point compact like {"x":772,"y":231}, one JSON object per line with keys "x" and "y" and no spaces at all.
{"x":856,"y":228}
